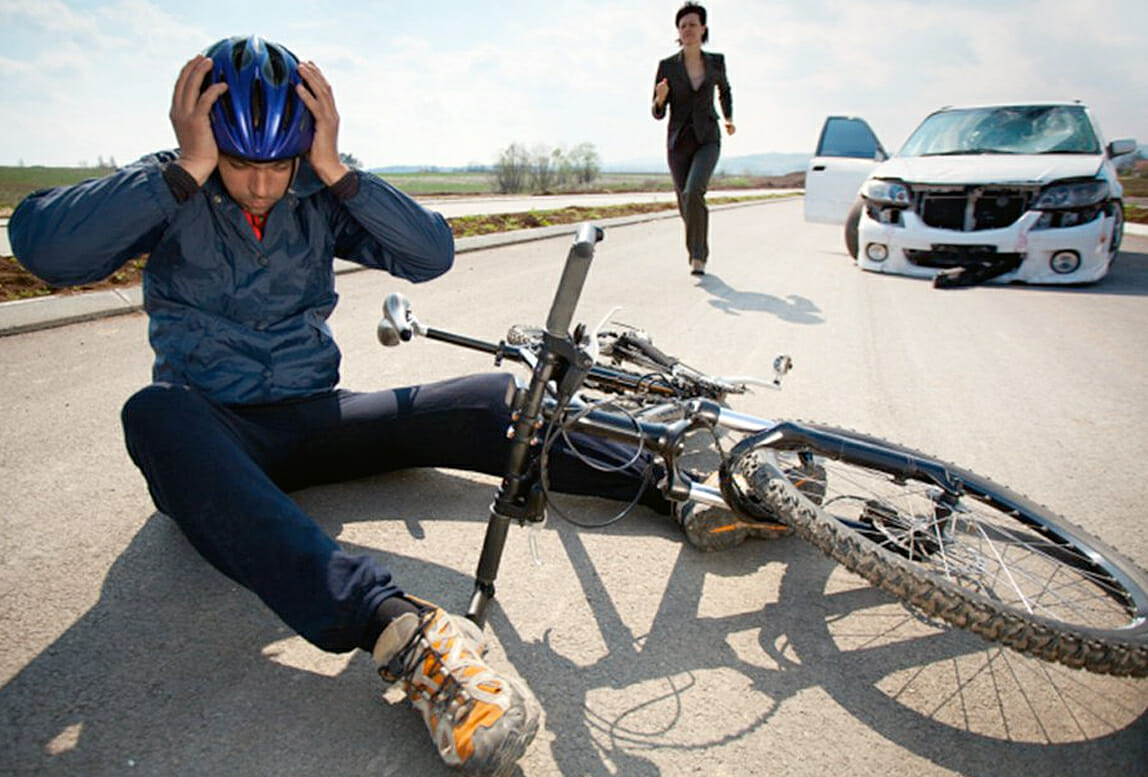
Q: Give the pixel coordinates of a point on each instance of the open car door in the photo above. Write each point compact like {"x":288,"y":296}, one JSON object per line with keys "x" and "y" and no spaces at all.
{"x":847,"y":153}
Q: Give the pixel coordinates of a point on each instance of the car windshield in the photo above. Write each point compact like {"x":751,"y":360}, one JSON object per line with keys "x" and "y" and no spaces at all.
{"x":1016,"y":129}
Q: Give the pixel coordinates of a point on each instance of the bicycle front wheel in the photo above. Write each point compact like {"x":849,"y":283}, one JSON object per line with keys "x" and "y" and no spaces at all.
{"x":957,"y":546}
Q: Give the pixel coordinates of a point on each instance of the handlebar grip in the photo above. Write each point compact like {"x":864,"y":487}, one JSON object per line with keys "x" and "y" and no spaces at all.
{"x":573,"y":279}
{"x":655,"y":354}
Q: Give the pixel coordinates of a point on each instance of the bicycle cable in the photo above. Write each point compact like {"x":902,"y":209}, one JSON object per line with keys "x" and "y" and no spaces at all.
{"x":556,"y":429}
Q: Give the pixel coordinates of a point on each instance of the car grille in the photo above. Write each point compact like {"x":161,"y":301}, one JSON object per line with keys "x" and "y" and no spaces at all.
{"x":944,"y":256}
{"x":970,"y":208}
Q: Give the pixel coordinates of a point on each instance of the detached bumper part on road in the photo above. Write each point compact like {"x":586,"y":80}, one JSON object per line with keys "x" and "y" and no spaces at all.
{"x":1077,"y":254}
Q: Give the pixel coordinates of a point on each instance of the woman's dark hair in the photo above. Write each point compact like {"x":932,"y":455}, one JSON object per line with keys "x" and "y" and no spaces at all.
{"x":700,"y":11}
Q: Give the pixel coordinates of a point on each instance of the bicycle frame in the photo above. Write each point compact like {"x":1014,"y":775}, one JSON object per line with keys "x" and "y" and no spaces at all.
{"x":561,"y":365}
{"x":887,"y":512}
{"x":558,"y":369}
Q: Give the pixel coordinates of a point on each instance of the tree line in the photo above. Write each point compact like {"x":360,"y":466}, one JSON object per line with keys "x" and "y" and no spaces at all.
{"x":543,"y":168}
{"x":516,"y":169}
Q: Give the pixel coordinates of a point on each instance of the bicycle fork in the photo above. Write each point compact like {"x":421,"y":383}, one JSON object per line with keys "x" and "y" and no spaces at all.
{"x":520,"y":495}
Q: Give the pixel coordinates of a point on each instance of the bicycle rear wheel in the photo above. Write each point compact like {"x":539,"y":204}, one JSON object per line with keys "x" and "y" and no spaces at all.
{"x":956,"y":546}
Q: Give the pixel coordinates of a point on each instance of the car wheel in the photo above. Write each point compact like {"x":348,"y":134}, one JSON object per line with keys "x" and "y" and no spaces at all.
{"x":852,"y":221}
{"x":1117,"y":209}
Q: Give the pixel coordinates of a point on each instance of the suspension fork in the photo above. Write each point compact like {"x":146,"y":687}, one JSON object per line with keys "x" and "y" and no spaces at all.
{"x":520,"y":495}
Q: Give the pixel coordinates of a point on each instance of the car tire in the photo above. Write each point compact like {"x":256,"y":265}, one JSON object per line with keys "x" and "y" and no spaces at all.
{"x":1117,"y":208}
{"x":852,"y":222}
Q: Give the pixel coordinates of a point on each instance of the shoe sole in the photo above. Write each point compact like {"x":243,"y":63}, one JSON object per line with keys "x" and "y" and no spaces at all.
{"x":502,"y":761}
{"x":715,"y":529}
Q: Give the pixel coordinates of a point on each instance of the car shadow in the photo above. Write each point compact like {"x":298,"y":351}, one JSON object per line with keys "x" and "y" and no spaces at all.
{"x":1128,"y":276}
{"x":177,"y":670}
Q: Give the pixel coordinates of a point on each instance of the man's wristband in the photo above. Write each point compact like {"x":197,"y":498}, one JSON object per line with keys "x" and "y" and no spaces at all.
{"x":346,"y":187}
{"x":182,"y":183}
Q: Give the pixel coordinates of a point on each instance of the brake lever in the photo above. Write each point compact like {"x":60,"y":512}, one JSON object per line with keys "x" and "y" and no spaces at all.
{"x":739,"y":383}
{"x":592,"y":347}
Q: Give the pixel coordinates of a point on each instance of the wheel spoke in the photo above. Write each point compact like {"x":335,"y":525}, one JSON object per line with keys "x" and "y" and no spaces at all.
{"x":1054,"y":591}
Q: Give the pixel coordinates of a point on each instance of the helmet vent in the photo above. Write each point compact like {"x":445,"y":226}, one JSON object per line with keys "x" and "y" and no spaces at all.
{"x":240,"y":55}
{"x":278,"y":66}
{"x":258,"y":106}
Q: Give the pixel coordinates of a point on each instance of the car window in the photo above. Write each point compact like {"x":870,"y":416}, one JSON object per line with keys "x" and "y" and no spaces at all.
{"x":1016,"y":129}
{"x":848,"y":137}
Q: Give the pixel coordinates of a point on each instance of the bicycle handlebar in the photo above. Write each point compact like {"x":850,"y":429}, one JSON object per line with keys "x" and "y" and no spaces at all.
{"x":573,"y":279}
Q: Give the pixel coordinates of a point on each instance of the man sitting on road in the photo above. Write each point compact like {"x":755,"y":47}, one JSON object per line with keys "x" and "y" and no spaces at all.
{"x":241,"y":226}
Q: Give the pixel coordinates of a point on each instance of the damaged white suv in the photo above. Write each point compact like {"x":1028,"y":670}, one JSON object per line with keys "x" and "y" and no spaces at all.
{"x":1003,"y":193}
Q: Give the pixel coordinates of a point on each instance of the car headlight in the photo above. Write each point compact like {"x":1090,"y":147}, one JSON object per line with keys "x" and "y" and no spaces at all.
{"x":893,"y":193}
{"x":1079,"y":194}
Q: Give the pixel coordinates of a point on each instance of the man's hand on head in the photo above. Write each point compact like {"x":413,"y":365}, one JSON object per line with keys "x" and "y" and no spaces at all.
{"x":317,"y":95}
{"x":191,"y":119}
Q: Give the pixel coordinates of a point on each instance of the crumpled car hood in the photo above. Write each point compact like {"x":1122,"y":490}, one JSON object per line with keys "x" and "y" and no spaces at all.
{"x":990,"y":168}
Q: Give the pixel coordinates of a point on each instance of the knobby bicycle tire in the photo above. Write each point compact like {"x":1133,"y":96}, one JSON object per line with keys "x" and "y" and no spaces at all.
{"x":992,"y":562}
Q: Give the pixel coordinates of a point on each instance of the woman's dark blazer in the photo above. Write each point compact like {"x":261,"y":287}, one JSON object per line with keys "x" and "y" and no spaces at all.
{"x":694,"y":107}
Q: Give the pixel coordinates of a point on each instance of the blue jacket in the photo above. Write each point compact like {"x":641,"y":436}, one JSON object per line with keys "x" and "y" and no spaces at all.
{"x":241,"y":320}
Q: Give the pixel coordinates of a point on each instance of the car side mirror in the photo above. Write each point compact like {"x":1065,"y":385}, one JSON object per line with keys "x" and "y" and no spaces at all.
{"x":879,"y":155}
{"x":1121,"y":147}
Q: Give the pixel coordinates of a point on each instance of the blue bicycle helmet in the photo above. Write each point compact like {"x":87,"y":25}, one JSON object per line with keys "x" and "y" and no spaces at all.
{"x":259,"y":117}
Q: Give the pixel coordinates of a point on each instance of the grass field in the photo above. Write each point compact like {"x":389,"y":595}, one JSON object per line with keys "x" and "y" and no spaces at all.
{"x":427,"y":183}
{"x":18,"y":182}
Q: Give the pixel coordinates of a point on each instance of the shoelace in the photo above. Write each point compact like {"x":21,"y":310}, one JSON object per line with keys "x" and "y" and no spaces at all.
{"x":450,"y":698}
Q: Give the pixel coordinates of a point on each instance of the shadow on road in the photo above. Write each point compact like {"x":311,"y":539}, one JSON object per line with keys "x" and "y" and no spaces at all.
{"x":1128,"y":276}
{"x":793,"y":308}
{"x":175,"y":670}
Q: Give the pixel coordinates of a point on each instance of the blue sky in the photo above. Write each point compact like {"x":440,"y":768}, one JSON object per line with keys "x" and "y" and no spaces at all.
{"x":442,"y":82}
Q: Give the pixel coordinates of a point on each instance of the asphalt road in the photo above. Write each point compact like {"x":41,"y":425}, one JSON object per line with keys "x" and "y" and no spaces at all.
{"x":469,"y":206}
{"x":121,"y":652}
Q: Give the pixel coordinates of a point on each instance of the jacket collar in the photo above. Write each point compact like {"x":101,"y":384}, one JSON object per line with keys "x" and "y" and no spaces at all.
{"x":306,"y":180}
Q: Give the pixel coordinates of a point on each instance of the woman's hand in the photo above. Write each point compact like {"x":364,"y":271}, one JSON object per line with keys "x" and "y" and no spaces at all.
{"x":729,"y":128}
{"x":661,"y":92}
{"x":317,"y":95}
{"x":191,"y":119}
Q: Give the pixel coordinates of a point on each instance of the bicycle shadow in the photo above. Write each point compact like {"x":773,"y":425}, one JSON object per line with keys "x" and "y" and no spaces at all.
{"x":668,"y":689}
{"x":176,"y":670}
{"x":793,"y":308}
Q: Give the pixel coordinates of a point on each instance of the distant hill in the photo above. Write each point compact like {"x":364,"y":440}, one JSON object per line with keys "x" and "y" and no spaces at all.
{"x":772,"y":164}
{"x":764,"y":164}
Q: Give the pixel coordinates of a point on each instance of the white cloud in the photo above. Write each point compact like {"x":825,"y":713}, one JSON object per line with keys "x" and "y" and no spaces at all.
{"x":450,"y":83}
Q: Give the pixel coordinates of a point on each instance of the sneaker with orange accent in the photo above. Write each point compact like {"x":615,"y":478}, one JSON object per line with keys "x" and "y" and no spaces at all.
{"x":710,"y":528}
{"x":481,"y":721}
